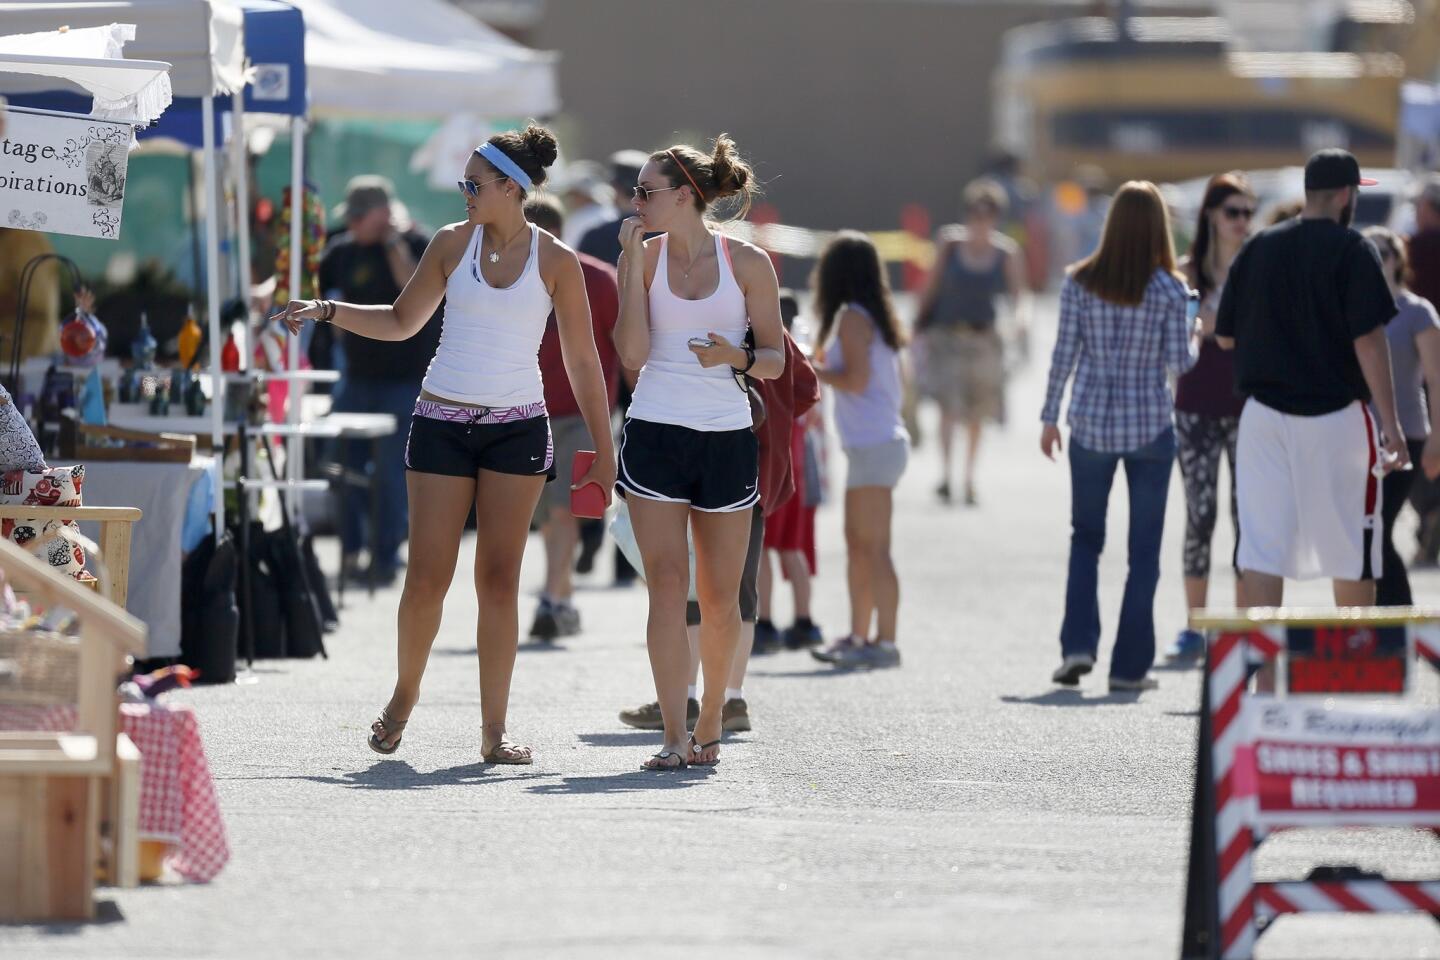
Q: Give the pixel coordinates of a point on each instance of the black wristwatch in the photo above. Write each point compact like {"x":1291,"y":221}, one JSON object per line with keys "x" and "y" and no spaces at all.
{"x":749,"y":358}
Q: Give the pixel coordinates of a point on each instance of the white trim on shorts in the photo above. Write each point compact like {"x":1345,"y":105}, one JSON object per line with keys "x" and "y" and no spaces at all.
{"x":630,"y":486}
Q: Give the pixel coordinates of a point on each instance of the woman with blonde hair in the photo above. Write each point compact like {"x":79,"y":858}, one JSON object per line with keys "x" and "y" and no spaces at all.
{"x":1126,"y":326}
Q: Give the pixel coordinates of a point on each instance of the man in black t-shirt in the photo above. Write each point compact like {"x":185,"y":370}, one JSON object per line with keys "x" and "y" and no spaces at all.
{"x":370,"y":263}
{"x":1304,"y":309}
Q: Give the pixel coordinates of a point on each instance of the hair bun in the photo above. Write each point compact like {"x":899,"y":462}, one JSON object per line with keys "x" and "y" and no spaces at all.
{"x":541,"y":143}
{"x":732,"y":174}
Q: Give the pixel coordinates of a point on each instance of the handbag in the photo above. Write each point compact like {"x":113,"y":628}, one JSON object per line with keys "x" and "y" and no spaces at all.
{"x":209,"y":616}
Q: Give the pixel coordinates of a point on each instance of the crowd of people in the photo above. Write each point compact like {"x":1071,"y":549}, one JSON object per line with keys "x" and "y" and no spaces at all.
{"x":1300,"y":356}
{"x":667,"y":352}
{"x":530,"y":346}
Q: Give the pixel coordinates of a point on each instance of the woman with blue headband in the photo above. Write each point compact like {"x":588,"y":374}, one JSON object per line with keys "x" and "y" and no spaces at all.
{"x":480,"y":435}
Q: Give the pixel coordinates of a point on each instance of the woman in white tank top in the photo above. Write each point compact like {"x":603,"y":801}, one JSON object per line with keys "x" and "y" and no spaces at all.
{"x":480,"y":435}
{"x":689,"y":457}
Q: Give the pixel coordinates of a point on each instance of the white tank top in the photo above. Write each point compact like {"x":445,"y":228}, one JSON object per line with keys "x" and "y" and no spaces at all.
{"x":490,"y":341}
{"x":673,"y":387}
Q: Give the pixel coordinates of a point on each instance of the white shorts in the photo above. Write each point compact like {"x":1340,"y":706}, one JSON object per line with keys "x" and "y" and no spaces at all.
{"x":1308,"y":495}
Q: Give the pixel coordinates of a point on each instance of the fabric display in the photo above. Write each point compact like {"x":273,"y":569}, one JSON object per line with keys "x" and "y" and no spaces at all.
{"x":46,"y":487}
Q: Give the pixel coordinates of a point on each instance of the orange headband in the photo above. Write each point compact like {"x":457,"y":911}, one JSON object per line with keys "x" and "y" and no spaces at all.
{"x":693,"y":184}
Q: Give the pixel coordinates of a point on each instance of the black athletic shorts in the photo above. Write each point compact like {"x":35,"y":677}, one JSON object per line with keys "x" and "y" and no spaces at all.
{"x":714,"y":471}
{"x":459,"y":449}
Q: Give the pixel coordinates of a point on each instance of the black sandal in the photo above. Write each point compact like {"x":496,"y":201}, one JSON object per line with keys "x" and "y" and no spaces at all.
{"x":662,"y":766}
{"x":700,"y":748}
{"x":388,"y":726}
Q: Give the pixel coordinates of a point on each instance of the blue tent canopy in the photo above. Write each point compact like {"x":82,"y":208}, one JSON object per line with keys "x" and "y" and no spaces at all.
{"x":274,"y":45}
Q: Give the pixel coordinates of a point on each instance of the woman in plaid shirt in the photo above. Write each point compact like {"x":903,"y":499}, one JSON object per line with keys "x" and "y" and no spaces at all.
{"x":1126,"y":326}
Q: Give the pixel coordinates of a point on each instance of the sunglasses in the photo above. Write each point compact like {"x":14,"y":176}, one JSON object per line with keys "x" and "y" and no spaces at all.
{"x":472,"y":189}
{"x":1238,"y":213}
{"x":642,"y":193}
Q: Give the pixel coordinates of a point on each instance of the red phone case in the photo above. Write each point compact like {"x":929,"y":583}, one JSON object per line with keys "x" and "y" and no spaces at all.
{"x":589,"y":500}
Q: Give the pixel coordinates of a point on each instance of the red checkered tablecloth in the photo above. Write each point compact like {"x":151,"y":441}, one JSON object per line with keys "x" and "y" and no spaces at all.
{"x":178,"y":803}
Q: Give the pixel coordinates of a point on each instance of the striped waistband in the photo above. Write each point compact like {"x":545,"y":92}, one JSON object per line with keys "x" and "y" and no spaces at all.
{"x":454,"y":413}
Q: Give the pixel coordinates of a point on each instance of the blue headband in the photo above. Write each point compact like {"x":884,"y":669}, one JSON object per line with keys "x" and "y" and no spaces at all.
{"x":505,"y":165}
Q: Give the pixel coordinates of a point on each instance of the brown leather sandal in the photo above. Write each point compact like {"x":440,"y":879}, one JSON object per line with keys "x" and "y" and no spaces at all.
{"x":381,"y":731}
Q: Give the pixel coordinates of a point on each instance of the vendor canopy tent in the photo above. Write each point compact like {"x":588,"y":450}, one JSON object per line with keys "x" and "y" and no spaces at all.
{"x":136,"y":91}
{"x":274,"y":45}
{"x":420,"y":58}
{"x":201,"y":39}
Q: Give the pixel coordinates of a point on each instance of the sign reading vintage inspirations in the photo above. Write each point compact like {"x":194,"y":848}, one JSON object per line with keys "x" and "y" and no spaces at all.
{"x":1345,"y":763}
{"x":63,"y":174}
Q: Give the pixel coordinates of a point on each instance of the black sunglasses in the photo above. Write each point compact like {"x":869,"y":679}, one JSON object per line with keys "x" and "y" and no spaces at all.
{"x":642,"y":193}
{"x":1238,"y":213}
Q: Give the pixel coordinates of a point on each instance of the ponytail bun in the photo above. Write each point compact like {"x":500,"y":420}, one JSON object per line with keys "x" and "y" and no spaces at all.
{"x":541,"y":143}
{"x":732,"y":174}
{"x":534,"y":149}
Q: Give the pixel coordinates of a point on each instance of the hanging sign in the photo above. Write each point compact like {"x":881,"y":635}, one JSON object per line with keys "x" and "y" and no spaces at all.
{"x":1328,"y":763}
{"x":63,"y":174}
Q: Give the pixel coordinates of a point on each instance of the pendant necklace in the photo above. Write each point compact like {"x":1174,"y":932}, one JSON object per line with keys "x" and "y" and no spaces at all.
{"x":494,"y":256}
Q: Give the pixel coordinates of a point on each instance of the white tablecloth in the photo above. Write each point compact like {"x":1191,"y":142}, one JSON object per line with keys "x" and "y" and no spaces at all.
{"x":160,"y":490}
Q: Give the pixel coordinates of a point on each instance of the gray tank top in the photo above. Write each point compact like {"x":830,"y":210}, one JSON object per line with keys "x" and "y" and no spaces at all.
{"x":967,"y":296}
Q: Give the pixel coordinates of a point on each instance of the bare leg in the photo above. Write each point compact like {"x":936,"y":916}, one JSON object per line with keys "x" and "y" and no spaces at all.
{"x":795,"y":567}
{"x":504,"y":504}
{"x":766,"y":586}
{"x":692,"y":633}
{"x":721,"y":540}
{"x":872,"y":507}
{"x":973,"y":429}
{"x":1196,"y":591}
{"x":438,"y":507}
{"x":1263,"y":589}
{"x":948,"y":423}
{"x":665,"y":551}
{"x":1354,"y":593}
{"x":561,"y":534}
{"x":859,"y":564}
{"x":742,"y":655}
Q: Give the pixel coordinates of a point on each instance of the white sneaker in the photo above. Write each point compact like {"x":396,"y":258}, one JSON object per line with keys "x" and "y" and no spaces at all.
{"x":1147,"y":682}
{"x":1075,"y":666}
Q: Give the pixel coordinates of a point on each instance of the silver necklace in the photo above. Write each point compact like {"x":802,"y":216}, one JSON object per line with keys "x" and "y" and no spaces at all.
{"x":693,"y":260}
{"x":494,"y":256}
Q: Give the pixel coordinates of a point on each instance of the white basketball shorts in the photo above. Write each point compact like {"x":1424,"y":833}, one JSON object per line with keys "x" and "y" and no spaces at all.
{"x":1308,"y":494}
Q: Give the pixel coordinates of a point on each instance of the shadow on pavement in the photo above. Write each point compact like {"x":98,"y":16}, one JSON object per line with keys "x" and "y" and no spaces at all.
{"x":818,"y":672}
{"x":1072,"y":698}
{"x":399,"y":775}
{"x":627,"y":738}
{"x":106,"y":912}
{"x":1179,"y":666}
{"x":636,"y":782}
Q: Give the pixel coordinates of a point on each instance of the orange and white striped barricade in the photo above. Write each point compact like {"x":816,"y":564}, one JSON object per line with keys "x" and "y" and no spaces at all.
{"x":1341,"y":742}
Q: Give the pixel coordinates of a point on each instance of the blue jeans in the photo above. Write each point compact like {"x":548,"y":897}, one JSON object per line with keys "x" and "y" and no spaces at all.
{"x":396,"y":397}
{"x":1147,"y":475}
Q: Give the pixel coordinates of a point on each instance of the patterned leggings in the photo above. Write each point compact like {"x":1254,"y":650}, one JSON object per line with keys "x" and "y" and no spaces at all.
{"x":1201,"y":440}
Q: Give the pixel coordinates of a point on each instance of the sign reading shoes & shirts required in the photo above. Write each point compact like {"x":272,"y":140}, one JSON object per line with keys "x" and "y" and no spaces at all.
{"x":63,"y":174}
{"x":1317,"y":763}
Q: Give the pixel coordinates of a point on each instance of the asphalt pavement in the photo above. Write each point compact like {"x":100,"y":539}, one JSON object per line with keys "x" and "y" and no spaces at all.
{"x":959,"y":806}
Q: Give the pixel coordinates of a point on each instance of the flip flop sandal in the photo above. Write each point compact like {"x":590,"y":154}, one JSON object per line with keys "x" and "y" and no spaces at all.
{"x":516,"y":758}
{"x":388,"y":726}
{"x":699,"y":748}
{"x":664,"y":766}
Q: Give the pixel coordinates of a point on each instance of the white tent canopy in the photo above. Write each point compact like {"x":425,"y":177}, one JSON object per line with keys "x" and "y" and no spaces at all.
{"x":203,"y":40}
{"x":133,"y":91}
{"x":419,"y":58}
